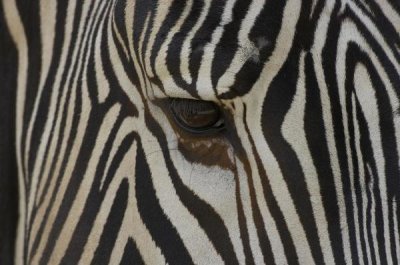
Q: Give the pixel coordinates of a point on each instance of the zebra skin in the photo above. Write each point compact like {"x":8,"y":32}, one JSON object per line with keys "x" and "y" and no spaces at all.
{"x":200,"y":132}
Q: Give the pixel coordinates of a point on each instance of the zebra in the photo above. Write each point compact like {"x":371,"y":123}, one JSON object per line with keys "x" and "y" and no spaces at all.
{"x":200,"y":132}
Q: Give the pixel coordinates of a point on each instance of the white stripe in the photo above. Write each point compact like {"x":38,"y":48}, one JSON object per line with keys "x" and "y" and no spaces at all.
{"x":18,"y":35}
{"x":352,"y":187}
{"x":373,"y":213}
{"x":250,"y":222}
{"x":119,"y":37}
{"x":103,"y":86}
{"x":294,"y":132}
{"x":362,"y":179}
{"x":396,"y":229}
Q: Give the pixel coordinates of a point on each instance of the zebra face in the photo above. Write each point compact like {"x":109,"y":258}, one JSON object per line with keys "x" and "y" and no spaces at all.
{"x":289,"y":178}
{"x":207,"y":132}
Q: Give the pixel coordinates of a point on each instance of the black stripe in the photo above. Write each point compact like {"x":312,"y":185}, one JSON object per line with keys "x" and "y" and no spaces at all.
{"x":111,"y":228}
{"x":243,"y":224}
{"x":161,"y":229}
{"x":97,"y":193}
{"x":131,"y":254}
{"x":329,"y":54}
{"x":315,"y":132}
{"x":276,"y":212}
{"x":174,"y":13}
{"x":173,"y":56}
{"x":263,"y":35}
{"x":8,"y":163}
{"x":229,"y":43}
{"x":29,"y":14}
{"x":276,"y":104}
{"x":355,"y":57}
{"x":95,"y":120}
{"x":44,"y":103}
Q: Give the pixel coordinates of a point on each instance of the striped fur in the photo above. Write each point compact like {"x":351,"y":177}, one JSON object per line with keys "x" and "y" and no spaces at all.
{"x":307,"y":171}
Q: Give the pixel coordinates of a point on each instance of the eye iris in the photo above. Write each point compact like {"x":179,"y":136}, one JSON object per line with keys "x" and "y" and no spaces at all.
{"x":196,"y":115}
{"x":200,"y":119}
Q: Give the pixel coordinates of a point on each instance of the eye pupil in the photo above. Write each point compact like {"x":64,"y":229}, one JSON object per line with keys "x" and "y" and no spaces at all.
{"x":197,"y":116}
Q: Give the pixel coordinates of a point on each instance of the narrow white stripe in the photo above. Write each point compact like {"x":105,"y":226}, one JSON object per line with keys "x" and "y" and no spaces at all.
{"x":126,"y":85}
{"x":396,"y":229}
{"x":119,"y":37}
{"x":352,"y":187}
{"x":103,"y":86}
{"x":373,"y":230}
{"x":17,"y":33}
{"x":362,"y":179}
{"x":248,"y":212}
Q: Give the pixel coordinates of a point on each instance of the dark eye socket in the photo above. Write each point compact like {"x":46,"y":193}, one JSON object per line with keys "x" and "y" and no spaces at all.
{"x":197,"y":116}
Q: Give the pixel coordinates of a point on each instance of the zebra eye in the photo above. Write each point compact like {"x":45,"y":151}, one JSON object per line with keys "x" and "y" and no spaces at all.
{"x":197,"y":116}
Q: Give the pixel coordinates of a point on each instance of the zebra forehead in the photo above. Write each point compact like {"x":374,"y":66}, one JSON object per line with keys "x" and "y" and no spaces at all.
{"x":201,"y":46}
